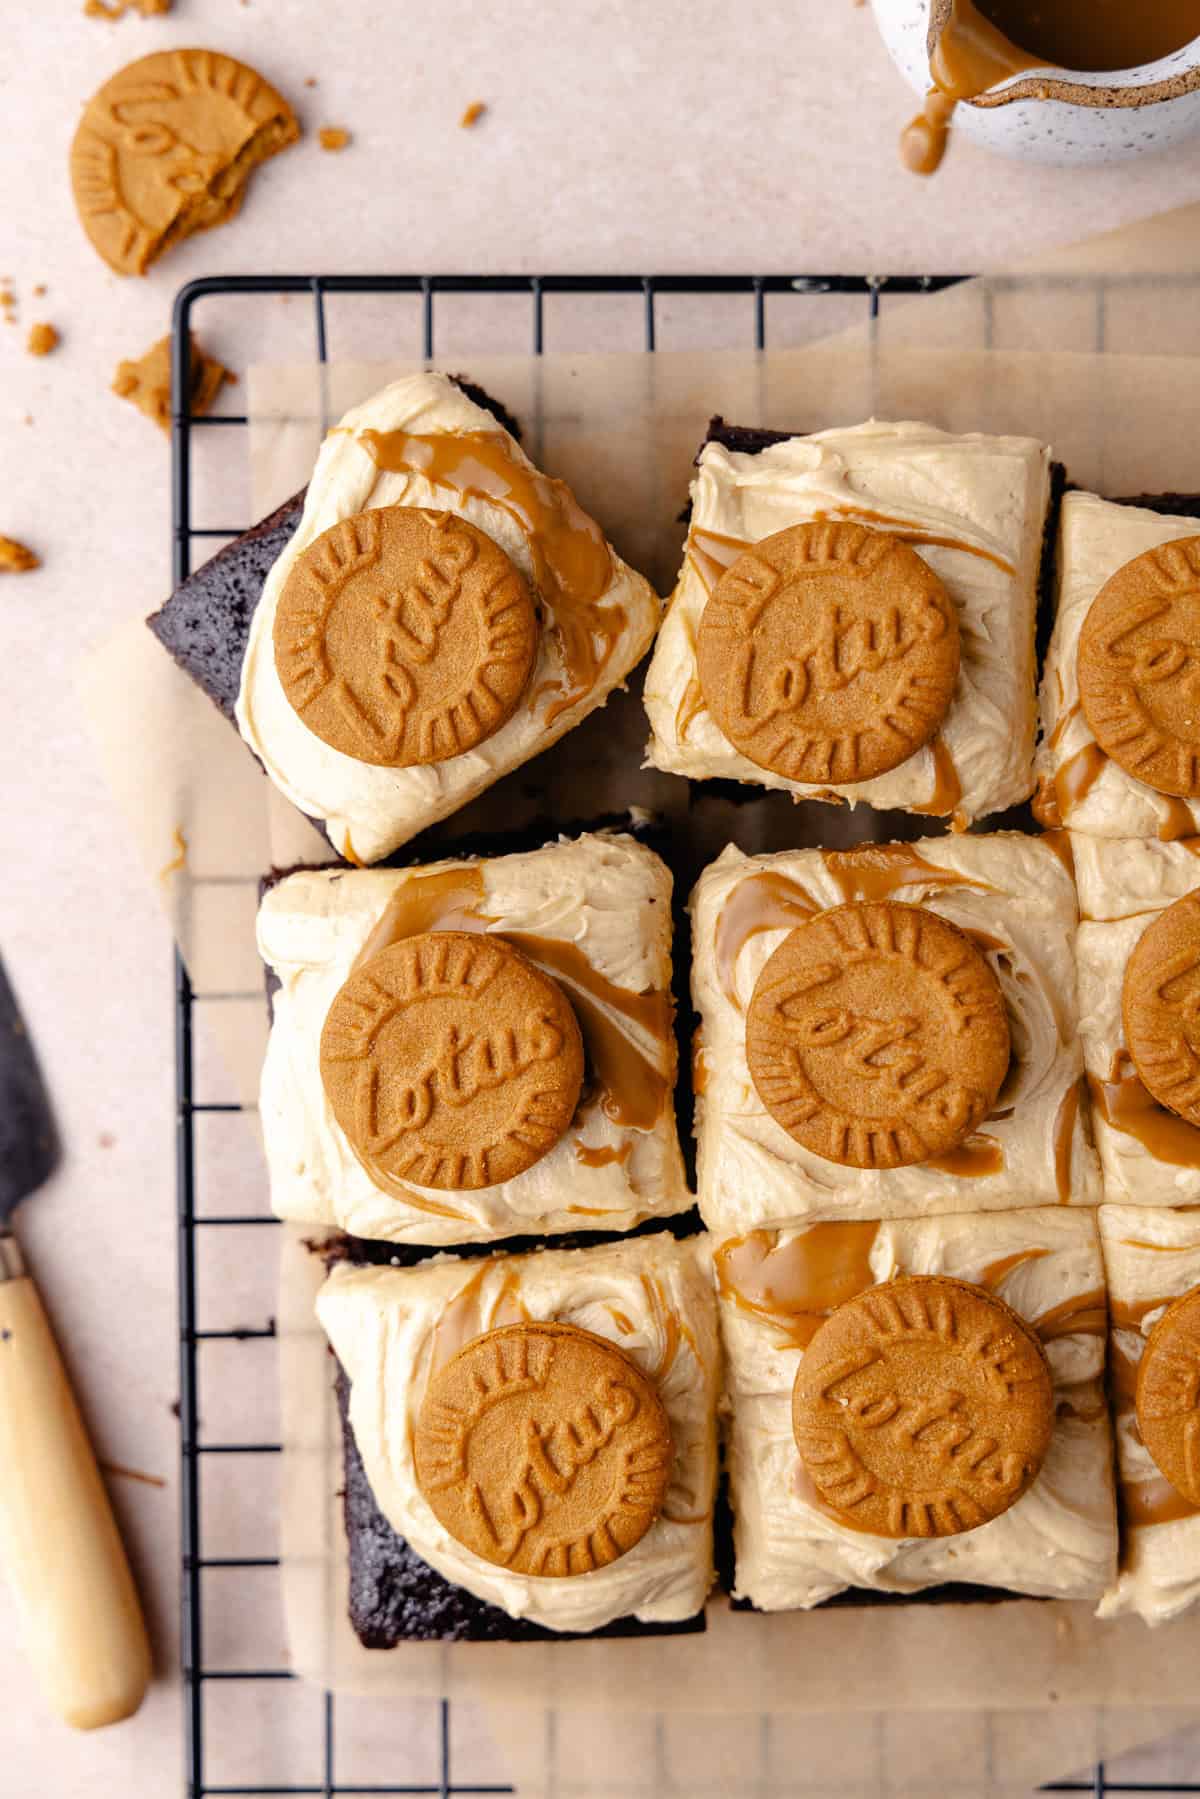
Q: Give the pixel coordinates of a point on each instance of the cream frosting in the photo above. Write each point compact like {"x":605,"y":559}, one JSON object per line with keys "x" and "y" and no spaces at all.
{"x":987,"y":495}
{"x":604,"y":893}
{"x":1123,"y":885}
{"x":369,"y":811}
{"x":1059,"y":1540}
{"x":1151,"y":1258}
{"x":1095,"y":539}
{"x":751,"y":1172}
{"x":651,"y":1296}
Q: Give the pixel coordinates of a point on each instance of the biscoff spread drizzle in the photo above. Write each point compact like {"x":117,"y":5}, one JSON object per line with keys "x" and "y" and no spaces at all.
{"x":572,"y":563}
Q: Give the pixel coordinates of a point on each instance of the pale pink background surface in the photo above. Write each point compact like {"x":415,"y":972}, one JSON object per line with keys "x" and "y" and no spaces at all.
{"x":619,"y":137}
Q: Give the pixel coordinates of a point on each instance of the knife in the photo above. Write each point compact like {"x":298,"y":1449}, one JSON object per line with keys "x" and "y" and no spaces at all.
{"x":59,"y":1547}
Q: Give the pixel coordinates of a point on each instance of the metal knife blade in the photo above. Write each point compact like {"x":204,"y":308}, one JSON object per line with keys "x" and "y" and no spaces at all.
{"x":29,"y":1147}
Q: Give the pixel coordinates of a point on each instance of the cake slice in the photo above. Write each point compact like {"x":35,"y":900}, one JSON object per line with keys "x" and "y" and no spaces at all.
{"x":867,"y":598}
{"x":841,"y":1482}
{"x":321,"y":633}
{"x":362,"y":1139}
{"x":1134,"y":789}
{"x":621,"y":1341}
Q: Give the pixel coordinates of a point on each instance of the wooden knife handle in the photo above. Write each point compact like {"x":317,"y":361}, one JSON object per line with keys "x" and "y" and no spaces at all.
{"x":59,"y":1548}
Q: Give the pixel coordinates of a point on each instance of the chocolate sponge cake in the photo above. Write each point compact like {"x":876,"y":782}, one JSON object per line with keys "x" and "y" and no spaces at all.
{"x":396,"y":1597}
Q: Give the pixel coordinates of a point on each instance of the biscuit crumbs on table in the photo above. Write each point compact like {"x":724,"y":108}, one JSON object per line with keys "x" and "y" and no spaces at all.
{"x":146,"y":382}
{"x":15,"y":558}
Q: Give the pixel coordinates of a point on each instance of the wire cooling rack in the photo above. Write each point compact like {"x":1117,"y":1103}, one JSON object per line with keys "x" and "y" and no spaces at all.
{"x":644,"y":293}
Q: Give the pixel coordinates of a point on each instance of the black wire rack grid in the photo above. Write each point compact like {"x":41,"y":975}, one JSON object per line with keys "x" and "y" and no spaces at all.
{"x":641,"y":290}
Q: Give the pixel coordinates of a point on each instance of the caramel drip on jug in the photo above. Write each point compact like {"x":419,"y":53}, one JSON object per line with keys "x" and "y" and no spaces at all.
{"x":980,"y":45}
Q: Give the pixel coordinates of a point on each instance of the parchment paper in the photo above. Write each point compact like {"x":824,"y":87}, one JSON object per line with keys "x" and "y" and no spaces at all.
{"x":623,"y":431}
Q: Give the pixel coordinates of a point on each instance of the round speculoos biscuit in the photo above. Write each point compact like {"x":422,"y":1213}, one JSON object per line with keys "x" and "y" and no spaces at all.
{"x":451,"y":1062}
{"x":1167,"y":1396}
{"x":544,"y":1449}
{"x":1139,"y":667}
{"x":828,"y":652}
{"x":1160,"y":1007}
{"x":922,"y":1408}
{"x":404,"y":637}
{"x":877,"y":1035}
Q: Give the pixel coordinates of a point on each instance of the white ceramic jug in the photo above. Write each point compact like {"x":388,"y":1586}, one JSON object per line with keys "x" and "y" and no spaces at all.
{"x":1058,"y":115}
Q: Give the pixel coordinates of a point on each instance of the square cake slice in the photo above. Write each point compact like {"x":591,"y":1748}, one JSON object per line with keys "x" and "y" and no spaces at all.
{"x":1152,"y":1259}
{"x":394,"y":1331}
{"x":387,"y":674}
{"x":593,"y":917}
{"x":1078,"y":784}
{"x":776,"y":1288}
{"x":1149,"y":1154}
{"x":973,"y":508}
{"x":1013,"y":897}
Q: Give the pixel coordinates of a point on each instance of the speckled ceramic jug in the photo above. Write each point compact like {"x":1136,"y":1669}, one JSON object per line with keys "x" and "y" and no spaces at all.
{"x":1053,"y":114}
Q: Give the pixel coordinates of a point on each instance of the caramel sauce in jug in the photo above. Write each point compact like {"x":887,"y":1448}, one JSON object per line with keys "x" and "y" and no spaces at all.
{"x":985,"y":42}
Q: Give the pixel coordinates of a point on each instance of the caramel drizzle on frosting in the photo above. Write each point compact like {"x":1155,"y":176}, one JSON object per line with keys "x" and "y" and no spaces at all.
{"x":1055,"y":799}
{"x":600,"y":1155}
{"x":711,"y":553}
{"x":1125,"y":1104}
{"x":572,"y":563}
{"x":462,"y":1319}
{"x":947,"y":786}
{"x":1084,"y":1314}
{"x":996,"y":1273}
{"x":794,"y":1286}
{"x":691,"y":705}
{"x":1075,"y":779}
{"x":978,"y":1157}
{"x":632,"y":1091}
{"x":771,"y":901}
{"x":1154,"y":1501}
{"x":766,"y":901}
{"x":912,"y":532}
{"x":1064,"y":1139}
{"x":877,"y":870}
{"x":1177,"y":821}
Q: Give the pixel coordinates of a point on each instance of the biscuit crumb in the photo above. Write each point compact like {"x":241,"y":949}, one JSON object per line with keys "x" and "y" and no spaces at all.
{"x":333,"y":137}
{"x":39,"y":290}
{"x":112,"y":10}
{"x":15,"y":559}
{"x":179,"y":859}
{"x":473,"y":114}
{"x":42,"y":339}
{"x":310,"y":81}
{"x":147,"y":382}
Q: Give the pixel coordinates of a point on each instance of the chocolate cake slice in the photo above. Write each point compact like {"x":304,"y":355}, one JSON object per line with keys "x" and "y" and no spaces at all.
{"x":205,"y":625}
{"x":396,"y":1597}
